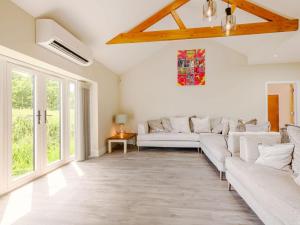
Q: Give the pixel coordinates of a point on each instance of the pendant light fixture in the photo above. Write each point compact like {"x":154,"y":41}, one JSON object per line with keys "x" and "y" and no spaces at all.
{"x":210,"y":10}
{"x":229,"y":21}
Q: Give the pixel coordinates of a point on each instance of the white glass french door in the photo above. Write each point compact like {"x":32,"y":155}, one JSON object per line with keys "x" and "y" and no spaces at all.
{"x":22,"y":122}
{"x":53,"y":119}
{"x":41,"y":130}
{"x":38,"y":123}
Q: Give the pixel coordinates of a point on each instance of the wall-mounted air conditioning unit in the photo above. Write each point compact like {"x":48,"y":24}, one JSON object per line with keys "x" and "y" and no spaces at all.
{"x":52,"y":36}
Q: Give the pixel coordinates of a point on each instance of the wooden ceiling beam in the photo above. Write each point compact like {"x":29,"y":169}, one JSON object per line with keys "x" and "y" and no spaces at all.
{"x":158,"y":16}
{"x":256,"y":10}
{"x":178,"y":20}
{"x":206,"y":32}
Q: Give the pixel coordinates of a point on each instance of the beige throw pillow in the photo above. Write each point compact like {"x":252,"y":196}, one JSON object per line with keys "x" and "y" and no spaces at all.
{"x":166,"y":124}
{"x":241,"y":126}
{"x":155,"y":126}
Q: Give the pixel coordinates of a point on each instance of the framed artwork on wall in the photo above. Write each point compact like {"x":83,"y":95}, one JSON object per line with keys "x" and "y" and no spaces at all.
{"x":191,"y":67}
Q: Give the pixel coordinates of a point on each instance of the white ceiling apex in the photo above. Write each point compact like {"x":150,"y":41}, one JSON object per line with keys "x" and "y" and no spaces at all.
{"x":101,"y":20}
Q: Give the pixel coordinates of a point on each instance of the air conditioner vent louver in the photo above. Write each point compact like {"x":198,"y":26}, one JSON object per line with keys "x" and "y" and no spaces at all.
{"x":68,"y":51}
{"x":55,"y":38}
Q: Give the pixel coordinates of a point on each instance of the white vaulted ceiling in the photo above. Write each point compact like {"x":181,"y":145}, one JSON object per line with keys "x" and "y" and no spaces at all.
{"x":97,"y":21}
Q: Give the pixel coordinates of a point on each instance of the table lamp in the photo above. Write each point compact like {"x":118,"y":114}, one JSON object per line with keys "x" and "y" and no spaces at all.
{"x":121,"y":120}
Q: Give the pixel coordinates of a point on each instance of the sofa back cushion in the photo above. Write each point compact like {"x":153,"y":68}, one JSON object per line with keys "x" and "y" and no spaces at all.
{"x":180,"y":124}
{"x":294,"y":135}
{"x":275,"y":156}
{"x":234,"y":139}
{"x":201,"y":125}
{"x":258,"y":128}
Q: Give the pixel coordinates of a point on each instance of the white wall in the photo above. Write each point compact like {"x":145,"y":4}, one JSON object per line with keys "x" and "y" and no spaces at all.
{"x":18,"y":33}
{"x":233,"y":89}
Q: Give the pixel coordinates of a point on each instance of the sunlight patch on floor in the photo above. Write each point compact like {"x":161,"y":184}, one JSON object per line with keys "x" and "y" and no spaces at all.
{"x":56,"y":182}
{"x":19,"y":204}
{"x":78,"y":170}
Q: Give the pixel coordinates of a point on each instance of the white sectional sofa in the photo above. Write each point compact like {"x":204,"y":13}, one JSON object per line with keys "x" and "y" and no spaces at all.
{"x":213,"y":145}
{"x":271,"y":193}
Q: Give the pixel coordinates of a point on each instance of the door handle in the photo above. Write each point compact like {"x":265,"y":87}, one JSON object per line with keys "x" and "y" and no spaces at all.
{"x":38,"y":115}
{"x":46,"y":116}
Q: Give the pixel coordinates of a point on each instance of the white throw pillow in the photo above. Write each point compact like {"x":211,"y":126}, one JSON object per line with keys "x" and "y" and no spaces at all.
{"x":275,"y":156}
{"x":225,"y":129}
{"x":201,"y":125}
{"x":180,"y":124}
{"x":249,"y":145}
{"x":258,"y":128}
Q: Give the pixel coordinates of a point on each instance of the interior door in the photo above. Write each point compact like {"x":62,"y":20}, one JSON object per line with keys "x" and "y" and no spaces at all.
{"x":273,"y":112}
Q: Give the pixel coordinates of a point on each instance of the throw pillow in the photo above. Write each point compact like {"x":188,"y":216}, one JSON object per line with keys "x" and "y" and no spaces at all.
{"x":276,"y":156}
{"x":241,"y":126}
{"x":201,"y":125}
{"x":155,"y":126}
{"x":180,"y":124}
{"x":294,"y":134}
{"x":191,"y":123}
{"x":166,"y":124}
{"x":225,"y":128}
{"x":216,"y":125}
{"x":258,"y":128}
{"x":284,"y":136}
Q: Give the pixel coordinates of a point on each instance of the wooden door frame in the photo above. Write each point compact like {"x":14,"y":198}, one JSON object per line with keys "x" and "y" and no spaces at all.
{"x":296,"y":98}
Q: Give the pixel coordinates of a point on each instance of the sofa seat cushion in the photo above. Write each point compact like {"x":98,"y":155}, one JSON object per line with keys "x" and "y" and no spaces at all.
{"x":274,"y":189}
{"x":168,"y":137}
{"x":216,"y":144}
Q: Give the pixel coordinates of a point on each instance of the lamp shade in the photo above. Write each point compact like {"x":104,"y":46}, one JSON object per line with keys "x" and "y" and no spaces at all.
{"x":121,"y":119}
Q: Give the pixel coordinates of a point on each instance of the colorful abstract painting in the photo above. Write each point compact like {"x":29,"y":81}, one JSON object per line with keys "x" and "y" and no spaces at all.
{"x":191,"y":67}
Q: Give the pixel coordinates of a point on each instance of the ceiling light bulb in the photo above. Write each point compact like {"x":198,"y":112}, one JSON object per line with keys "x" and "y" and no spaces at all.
{"x":228,"y":22}
{"x":209,"y":10}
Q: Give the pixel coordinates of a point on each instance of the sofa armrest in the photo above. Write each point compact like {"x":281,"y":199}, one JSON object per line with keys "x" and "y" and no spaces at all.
{"x":143,"y":128}
{"x":234,"y":139}
{"x":249,"y":145}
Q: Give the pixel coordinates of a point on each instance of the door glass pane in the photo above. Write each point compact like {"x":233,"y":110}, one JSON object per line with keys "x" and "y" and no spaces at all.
{"x":22,"y":123}
{"x":72,"y":117}
{"x":53,"y":120}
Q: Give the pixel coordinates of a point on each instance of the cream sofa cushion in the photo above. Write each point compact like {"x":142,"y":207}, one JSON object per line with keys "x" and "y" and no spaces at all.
{"x":258,"y":128}
{"x":180,"y":124}
{"x":275,"y":156}
{"x":274,"y":190}
{"x":249,"y":145}
{"x":294,"y":134}
{"x":234,"y":139}
{"x":201,"y":125}
{"x":168,"y":137}
{"x":216,"y":144}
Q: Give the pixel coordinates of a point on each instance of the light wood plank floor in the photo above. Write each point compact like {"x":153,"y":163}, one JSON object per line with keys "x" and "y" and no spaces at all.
{"x":151,"y":187}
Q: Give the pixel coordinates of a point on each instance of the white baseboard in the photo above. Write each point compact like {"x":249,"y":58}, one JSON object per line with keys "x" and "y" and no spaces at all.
{"x":95,"y":153}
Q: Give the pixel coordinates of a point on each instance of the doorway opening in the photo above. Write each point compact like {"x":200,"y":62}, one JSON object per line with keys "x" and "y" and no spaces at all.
{"x":281,"y":104}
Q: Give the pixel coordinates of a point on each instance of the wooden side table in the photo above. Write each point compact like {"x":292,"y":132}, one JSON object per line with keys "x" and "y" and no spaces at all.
{"x":121,"y":138}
